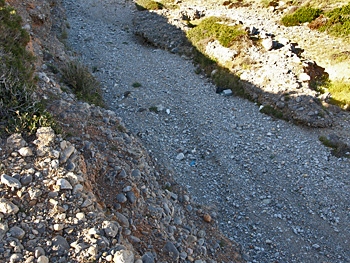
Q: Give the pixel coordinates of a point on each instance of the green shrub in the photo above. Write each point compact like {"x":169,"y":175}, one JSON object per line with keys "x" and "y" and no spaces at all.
{"x":341,"y":57}
{"x":136,"y":84}
{"x":215,"y":28}
{"x":302,"y":15}
{"x":338,"y":23}
{"x":82,"y":82}
{"x":13,"y":43}
{"x":268,"y":3}
{"x":340,"y":93}
{"x":339,"y":148}
{"x":20,"y":110}
{"x":224,"y":79}
{"x":271,"y":111}
{"x":143,"y":5}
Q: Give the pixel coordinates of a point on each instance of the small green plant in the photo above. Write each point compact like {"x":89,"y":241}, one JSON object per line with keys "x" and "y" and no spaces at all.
{"x":268,"y":3}
{"x":215,"y":28}
{"x":154,"y":109}
{"x":82,"y":82}
{"x":301,"y":15}
{"x":339,"y":148}
{"x":143,"y":5}
{"x":113,"y":148}
{"x":341,"y":57}
{"x":20,"y":109}
{"x":222,"y":243}
{"x":169,"y":4}
{"x":224,"y":79}
{"x":136,"y":84}
{"x":121,"y":128}
{"x":338,"y":22}
{"x":269,"y":110}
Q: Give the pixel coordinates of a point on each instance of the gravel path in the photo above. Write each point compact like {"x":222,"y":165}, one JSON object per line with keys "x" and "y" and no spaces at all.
{"x":274,"y":187}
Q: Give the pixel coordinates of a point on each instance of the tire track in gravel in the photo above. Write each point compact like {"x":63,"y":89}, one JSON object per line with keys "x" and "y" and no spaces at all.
{"x":275,"y":189}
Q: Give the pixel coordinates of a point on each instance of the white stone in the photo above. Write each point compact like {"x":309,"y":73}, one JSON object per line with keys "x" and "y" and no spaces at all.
{"x":123,"y":256}
{"x":227,"y":92}
{"x":25,"y":152}
{"x":304,"y":77}
{"x":180,"y":156}
{"x":58,"y":227}
{"x":45,"y":135}
{"x":267,"y":43}
{"x":93,"y":250}
{"x":7,"y":207}
{"x":80,"y":216}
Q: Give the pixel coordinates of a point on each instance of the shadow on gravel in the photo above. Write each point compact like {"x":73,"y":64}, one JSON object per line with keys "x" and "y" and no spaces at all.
{"x":153,"y":29}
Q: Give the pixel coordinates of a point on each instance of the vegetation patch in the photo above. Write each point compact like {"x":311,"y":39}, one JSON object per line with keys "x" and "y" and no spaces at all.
{"x":136,"y":84}
{"x":269,"y":110}
{"x":339,"y":148}
{"x":224,"y":79}
{"x":301,"y":15}
{"x":340,"y":93}
{"x":143,"y":5}
{"x":342,"y":56}
{"x":154,"y":109}
{"x":169,"y":4}
{"x":338,"y":22}
{"x":215,"y":28}
{"x":268,"y":3}
{"x":82,"y":82}
{"x":20,"y":109}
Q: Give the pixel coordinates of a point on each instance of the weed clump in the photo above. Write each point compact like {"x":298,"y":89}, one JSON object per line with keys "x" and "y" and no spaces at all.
{"x":338,"y":22}
{"x":301,"y":15}
{"x":20,"y":109}
{"x":339,"y":148}
{"x":82,"y":82}
{"x":215,"y":28}
{"x":340,"y":93}
{"x":271,"y":111}
{"x":136,"y":84}
{"x":143,"y":5}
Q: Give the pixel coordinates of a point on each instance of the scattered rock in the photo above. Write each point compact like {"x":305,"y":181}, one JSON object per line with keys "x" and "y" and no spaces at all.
{"x":25,"y":152}
{"x":60,"y":245}
{"x":172,"y":251}
{"x":64,"y":184}
{"x":207,"y":218}
{"x":123,"y":256}
{"x":7,"y":207}
{"x":10,"y":181}
{"x":180,"y":156}
{"x":17,"y":232}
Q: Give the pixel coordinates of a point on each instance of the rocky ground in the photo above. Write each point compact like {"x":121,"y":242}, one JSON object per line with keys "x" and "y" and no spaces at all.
{"x":208,"y":160}
{"x":93,"y":194}
{"x":275,"y":188}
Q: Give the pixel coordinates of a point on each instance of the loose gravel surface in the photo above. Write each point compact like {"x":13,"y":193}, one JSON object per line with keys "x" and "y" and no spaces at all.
{"x":274,"y":187}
